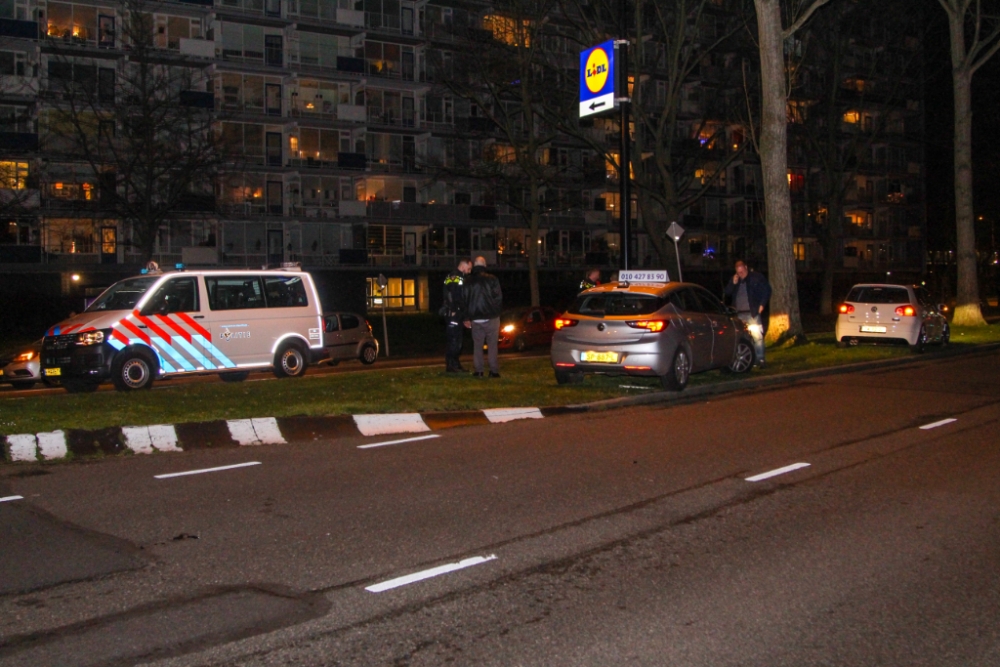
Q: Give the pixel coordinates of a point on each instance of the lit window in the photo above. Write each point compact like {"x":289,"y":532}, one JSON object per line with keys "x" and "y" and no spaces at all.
{"x":852,"y":117}
{"x":509,"y":31}
{"x":13,"y":175}
{"x":800,"y":251}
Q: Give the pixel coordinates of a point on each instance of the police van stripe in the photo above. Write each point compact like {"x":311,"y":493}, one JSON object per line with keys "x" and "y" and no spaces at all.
{"x":169,"y":349}
{"x":153,"y":327}
{"x":186,"y":335}
{"x":158,"y":345}
{"x":184,"y":317}
{"x":116,"y":334}
{"x":194,"y":352}
{"x":215,"y":352}
{"x":135,"y":331}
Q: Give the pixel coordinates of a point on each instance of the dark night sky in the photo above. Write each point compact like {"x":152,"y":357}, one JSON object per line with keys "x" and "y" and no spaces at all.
{"x":985,"y":135}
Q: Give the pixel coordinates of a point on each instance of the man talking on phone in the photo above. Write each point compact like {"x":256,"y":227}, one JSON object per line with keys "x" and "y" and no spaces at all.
{"x":750,"y":293}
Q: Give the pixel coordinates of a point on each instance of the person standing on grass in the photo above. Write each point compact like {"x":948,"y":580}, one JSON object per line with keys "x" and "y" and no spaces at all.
{"x":750,"y":293}
{"x":483,"y":304}
{"x":453,"y":310}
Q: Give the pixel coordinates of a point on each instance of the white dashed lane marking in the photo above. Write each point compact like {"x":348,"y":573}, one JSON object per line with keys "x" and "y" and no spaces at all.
{"x":7,"y":499}
{"x":427,"y":574}
{"x":397,"y":442}
{"x":927,"y":427}
{"x":776,"y":472}
{"x":204,"y":470}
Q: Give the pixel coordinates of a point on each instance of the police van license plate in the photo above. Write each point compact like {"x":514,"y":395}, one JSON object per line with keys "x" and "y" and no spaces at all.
{"x":870,"y":329}
{"x":50,"y":372}
{"x":599,"y":357}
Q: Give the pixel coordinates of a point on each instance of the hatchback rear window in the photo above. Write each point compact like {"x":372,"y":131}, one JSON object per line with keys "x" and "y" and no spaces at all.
{"x":599,"y":305}
{"x":879,"y":295}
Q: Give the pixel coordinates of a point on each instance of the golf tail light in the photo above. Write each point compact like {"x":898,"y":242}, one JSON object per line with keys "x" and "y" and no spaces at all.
{"x":846,"y":308}
{"x":564,"y":323}
{"x":652,"y":326}
{"x":906,"y":311}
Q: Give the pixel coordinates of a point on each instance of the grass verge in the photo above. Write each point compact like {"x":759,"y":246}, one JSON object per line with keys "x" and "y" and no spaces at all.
{"x":525,"y":382}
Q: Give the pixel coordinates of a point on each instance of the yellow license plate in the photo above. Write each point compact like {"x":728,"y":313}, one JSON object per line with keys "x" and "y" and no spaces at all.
{"x":600,"y":357}
{"x":50,"y":372}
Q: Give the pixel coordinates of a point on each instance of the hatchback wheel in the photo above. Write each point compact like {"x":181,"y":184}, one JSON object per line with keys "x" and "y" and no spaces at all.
{"x":568,"y":377}
{"x":743,"y":357}
{"x":677,"y":377}
{"x":368,"y":354}
{"x":945,"y":334}
{"x":918,"y":346}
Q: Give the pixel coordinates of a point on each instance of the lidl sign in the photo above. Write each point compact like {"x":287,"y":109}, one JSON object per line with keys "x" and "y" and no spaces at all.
{"x":597,"y":79}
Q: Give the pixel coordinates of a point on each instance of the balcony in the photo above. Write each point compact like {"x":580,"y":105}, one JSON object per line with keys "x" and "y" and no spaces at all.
{"x":199,"y":48}
{"x":352,"y":161}
{"x":21,"y":29}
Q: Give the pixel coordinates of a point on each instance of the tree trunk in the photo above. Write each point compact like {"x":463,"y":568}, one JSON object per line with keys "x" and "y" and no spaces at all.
{"x":967,"y":311}
{"x":785,"y":321}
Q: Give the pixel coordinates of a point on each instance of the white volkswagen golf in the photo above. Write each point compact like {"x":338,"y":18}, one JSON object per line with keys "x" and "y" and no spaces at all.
{"x":891,"y":313}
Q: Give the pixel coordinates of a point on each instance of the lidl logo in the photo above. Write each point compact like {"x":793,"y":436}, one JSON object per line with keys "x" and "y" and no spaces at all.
{"x":596,"y":70}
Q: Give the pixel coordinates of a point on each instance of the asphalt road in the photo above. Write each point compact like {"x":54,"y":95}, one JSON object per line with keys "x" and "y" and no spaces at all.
{"x":629,"y":536}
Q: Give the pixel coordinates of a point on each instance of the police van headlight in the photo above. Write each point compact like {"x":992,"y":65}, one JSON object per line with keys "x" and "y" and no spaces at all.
{"x":90,"y":338}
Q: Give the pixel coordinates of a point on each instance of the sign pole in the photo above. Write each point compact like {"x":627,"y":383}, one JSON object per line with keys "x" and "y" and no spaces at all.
{"x":624,"y":174}
{"x":382,"y":282}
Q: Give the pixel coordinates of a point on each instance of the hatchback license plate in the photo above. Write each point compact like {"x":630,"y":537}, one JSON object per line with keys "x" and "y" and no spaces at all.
{"x":50,"y":372}
{"x":600,"y":357}
{"x":871,"y":329}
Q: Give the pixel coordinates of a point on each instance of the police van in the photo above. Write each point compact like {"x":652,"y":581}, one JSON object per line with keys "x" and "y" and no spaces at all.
{"x":163,"y":324}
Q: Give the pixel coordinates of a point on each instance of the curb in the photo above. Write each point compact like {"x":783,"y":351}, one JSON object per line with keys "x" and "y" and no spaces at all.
{"x":114,"y":441}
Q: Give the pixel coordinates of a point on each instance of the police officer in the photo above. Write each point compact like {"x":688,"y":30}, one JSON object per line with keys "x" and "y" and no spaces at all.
{"x":592,"y":279}
{"x":453,"y":311}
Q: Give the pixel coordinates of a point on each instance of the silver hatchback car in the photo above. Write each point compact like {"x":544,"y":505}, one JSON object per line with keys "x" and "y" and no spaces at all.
{"x":667,"y":330}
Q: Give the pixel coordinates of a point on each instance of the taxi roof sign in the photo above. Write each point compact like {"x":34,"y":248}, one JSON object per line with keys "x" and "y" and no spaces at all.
{"x":658,"y":276}
{"x":597,"y":79}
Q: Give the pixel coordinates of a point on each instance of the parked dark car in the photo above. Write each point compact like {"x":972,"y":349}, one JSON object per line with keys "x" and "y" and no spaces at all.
{"x":522,"y":328}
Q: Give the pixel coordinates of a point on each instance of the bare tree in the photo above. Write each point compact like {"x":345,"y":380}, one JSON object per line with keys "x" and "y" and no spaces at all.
{"x":772,"y":34}
{"x":144,"y":128}
{"x":974,"y":35}
{"x":875,"y":87}
{"x":514,"y":83}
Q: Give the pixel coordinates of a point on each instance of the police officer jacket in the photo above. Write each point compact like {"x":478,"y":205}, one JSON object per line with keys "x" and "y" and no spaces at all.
{"x":453,"y":308}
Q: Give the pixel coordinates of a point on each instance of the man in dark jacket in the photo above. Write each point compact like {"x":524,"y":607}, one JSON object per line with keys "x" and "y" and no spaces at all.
{"x":483,"y":303}
{"x":750,"y":293}
{"x":453,"y":310}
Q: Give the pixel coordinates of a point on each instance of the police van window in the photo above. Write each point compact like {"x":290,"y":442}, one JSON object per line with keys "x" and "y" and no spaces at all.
{"x":285,"y":291}
{"x":123,"y":295}
{"x":349,"y":322}
{"x":178,"y":295}
{"x":234,"y":292}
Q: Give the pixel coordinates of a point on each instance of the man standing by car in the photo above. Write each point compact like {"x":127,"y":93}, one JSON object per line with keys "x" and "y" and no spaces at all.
{"x":453,"y":310}
{"x":750,"y":293}
{"x":483,"y":304}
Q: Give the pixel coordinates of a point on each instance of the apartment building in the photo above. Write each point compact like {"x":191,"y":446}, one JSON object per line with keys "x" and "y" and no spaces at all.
{"x":341,"y":140}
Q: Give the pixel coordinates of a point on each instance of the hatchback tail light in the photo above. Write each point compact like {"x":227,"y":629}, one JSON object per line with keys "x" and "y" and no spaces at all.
{"x":846,"y":308}
{"x":649,"y":325}
{"x":564,"y":323}
{"x":906,"y":311}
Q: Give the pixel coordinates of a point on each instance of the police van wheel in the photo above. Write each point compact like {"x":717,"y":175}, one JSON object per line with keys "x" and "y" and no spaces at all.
{"x":132,"y":371}
{"x":234,"y":376}
{"x":368,"y":355}
{"x":290,"y":362}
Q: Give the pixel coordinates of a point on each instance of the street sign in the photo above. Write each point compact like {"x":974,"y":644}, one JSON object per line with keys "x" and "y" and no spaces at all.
{"x":597,"y":79}
{"x":675,"y":231}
